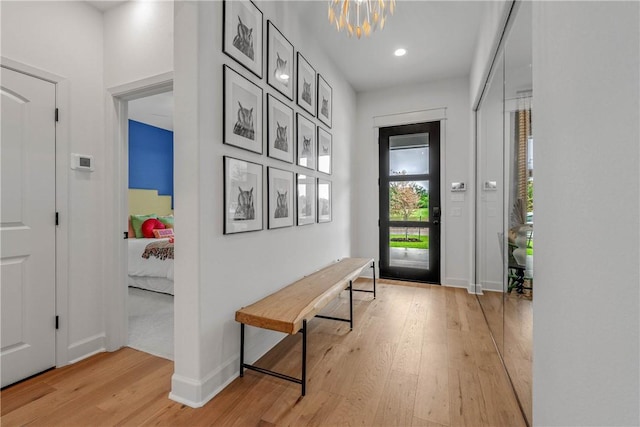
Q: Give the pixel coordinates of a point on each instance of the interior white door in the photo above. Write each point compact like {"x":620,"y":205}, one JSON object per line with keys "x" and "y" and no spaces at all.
{"x":27,"y":229}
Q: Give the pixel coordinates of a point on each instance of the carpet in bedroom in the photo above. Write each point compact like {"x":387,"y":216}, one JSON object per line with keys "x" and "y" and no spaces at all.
{"x":151,"y":322}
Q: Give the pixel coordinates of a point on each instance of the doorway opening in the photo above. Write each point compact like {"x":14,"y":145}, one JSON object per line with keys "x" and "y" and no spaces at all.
{"x":410,"y":202}
{"x":150,"y":242}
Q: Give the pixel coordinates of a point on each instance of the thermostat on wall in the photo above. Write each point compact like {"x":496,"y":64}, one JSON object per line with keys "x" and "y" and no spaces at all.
{"x":82,"y":162}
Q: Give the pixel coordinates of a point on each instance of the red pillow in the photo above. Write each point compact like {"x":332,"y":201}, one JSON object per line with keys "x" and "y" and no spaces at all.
{"x":149,"y":225}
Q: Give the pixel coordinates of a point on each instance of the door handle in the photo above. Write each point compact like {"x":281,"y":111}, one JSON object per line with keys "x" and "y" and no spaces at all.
{"x":436,"y":215}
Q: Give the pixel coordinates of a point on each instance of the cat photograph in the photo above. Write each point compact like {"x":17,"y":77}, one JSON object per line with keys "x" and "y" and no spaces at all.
{"x":280,"y":63}
{"x":280,"y":198}
{"x":306,"y":78}
{"x":243,"y":41}
{"x":324,"y":110}
{"x":280,"y":119}
{"x":245,"y":210}
{"x":306,"y":200}
{"x":243,"y":194}
{"x":282,"y":205}
{"x":244,"y":125}
{"x":306,"y":91}
{"x":324,"y":201}
{"x":282,"y":71}
{"x":306,"y":143}
{"x":242,"y":34}
{"x":281,"y":138}
{"x":324,"y":151}
{"x":306,"y":147}
{"x":324,"y":101}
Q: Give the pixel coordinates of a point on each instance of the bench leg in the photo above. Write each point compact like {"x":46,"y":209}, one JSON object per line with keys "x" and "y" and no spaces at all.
{"x":241,"y":349}
{"x":304,"y":356}
{"x":351,"y":304}
{"x":373,"y":266}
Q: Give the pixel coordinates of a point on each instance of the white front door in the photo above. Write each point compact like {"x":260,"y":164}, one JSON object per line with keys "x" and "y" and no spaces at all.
{"x":27,"y":229}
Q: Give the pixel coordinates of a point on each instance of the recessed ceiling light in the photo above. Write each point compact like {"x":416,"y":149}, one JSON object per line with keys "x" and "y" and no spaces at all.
{"x":400,"y":52}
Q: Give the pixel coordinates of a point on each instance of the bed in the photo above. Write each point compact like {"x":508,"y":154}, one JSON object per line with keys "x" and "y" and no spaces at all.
{"x":152,"y":270}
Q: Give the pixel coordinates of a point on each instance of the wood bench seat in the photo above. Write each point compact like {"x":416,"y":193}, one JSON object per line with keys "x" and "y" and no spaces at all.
{"x":289,"y":309}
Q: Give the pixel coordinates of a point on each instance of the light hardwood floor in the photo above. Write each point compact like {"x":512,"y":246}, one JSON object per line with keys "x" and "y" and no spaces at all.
{"x":417,"y":356}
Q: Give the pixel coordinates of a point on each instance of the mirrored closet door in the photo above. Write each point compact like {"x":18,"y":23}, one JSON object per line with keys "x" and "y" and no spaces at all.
{"x":505,"y":200}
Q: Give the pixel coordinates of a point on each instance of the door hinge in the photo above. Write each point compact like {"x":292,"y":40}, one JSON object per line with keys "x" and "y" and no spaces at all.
{"x":57,"y":322}
{"x":57,"y":218}
{"x":57,"y":115}
{"x":378,"y":223}
{"x":378,"y":182}
{"x":126,"y":235}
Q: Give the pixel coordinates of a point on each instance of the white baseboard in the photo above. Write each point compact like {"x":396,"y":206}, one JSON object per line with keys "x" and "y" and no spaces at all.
{"x":87,"y":348}
{"x":492,"y":286}
{"x":475,"y":289}
{"x":452,"y":282}
{"x":196,"y":393}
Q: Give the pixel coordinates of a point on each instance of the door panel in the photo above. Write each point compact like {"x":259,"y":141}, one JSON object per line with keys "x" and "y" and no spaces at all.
{"x":27,"y":229}
{"x":410,"y":202}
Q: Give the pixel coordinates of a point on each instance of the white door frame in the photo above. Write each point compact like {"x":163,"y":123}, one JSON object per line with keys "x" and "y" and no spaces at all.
{"x":117,"y":129}
{"x":62,"y":199}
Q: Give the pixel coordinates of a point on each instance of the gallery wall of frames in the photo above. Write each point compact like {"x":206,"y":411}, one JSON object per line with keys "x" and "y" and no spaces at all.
{"x":296,"y":127}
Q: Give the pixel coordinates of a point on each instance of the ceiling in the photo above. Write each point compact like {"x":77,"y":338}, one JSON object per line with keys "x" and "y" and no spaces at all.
{"x":440,"y":38}
{"x":156,"y":110}
{"x":105,"y":5}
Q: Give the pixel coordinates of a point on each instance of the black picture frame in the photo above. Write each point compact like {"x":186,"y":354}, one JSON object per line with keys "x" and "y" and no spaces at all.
{"x":305,"y":199}
{"x":324,"y":201}
{"x":242,"y":112}
{"x":306,"y":82}
{"x":280,"y":57}
{"x":305,"y":142}
{"x":281,"y":198}
{"x":242,"y":33}
{"x":325,"y":151}
{"x":324,"y":101}
{"x":280,"y":130}
{"x":243,"y":194}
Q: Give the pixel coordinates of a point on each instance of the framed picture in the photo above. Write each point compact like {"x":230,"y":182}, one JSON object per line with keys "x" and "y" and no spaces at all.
{"x":325,"y":101}
{"x":306,"y":76}
{"x":279,"y":129}
{"x":242,"y":196}
{"x":279,"y":61}
{"x":242,"y":38}
{"x":324,"y":151}
{"x":324,"y":200}
{"x":306,"y":137}
{"x":281,"y":193}
{"x":306,"y":194}
{"x":242,"y":112}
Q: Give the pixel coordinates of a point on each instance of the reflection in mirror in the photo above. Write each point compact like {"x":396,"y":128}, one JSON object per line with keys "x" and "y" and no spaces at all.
{"x":518,"y":314}
{"x":489,"y":203}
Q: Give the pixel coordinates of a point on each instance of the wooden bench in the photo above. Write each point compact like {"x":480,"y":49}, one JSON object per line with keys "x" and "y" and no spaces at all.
{"x":289,"y":309}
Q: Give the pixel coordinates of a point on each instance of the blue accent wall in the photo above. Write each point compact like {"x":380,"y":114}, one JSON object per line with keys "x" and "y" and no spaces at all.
{"x":151,"y":158}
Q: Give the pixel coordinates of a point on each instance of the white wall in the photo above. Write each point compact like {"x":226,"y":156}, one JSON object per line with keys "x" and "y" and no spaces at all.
{"x":65,"y":38}
{"x":217,"y":274}
{"x":138,"y":41}
{"x":73,"y":40}
{"x":493,"y":21}
{"x":454,"y":95}
{"x":586,"y":323}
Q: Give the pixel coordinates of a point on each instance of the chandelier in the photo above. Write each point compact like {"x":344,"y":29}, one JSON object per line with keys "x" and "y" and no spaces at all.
{"x":359,"y":16}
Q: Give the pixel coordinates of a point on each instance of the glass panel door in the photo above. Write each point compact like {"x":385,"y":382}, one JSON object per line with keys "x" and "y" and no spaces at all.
{"x":410,"y":202}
